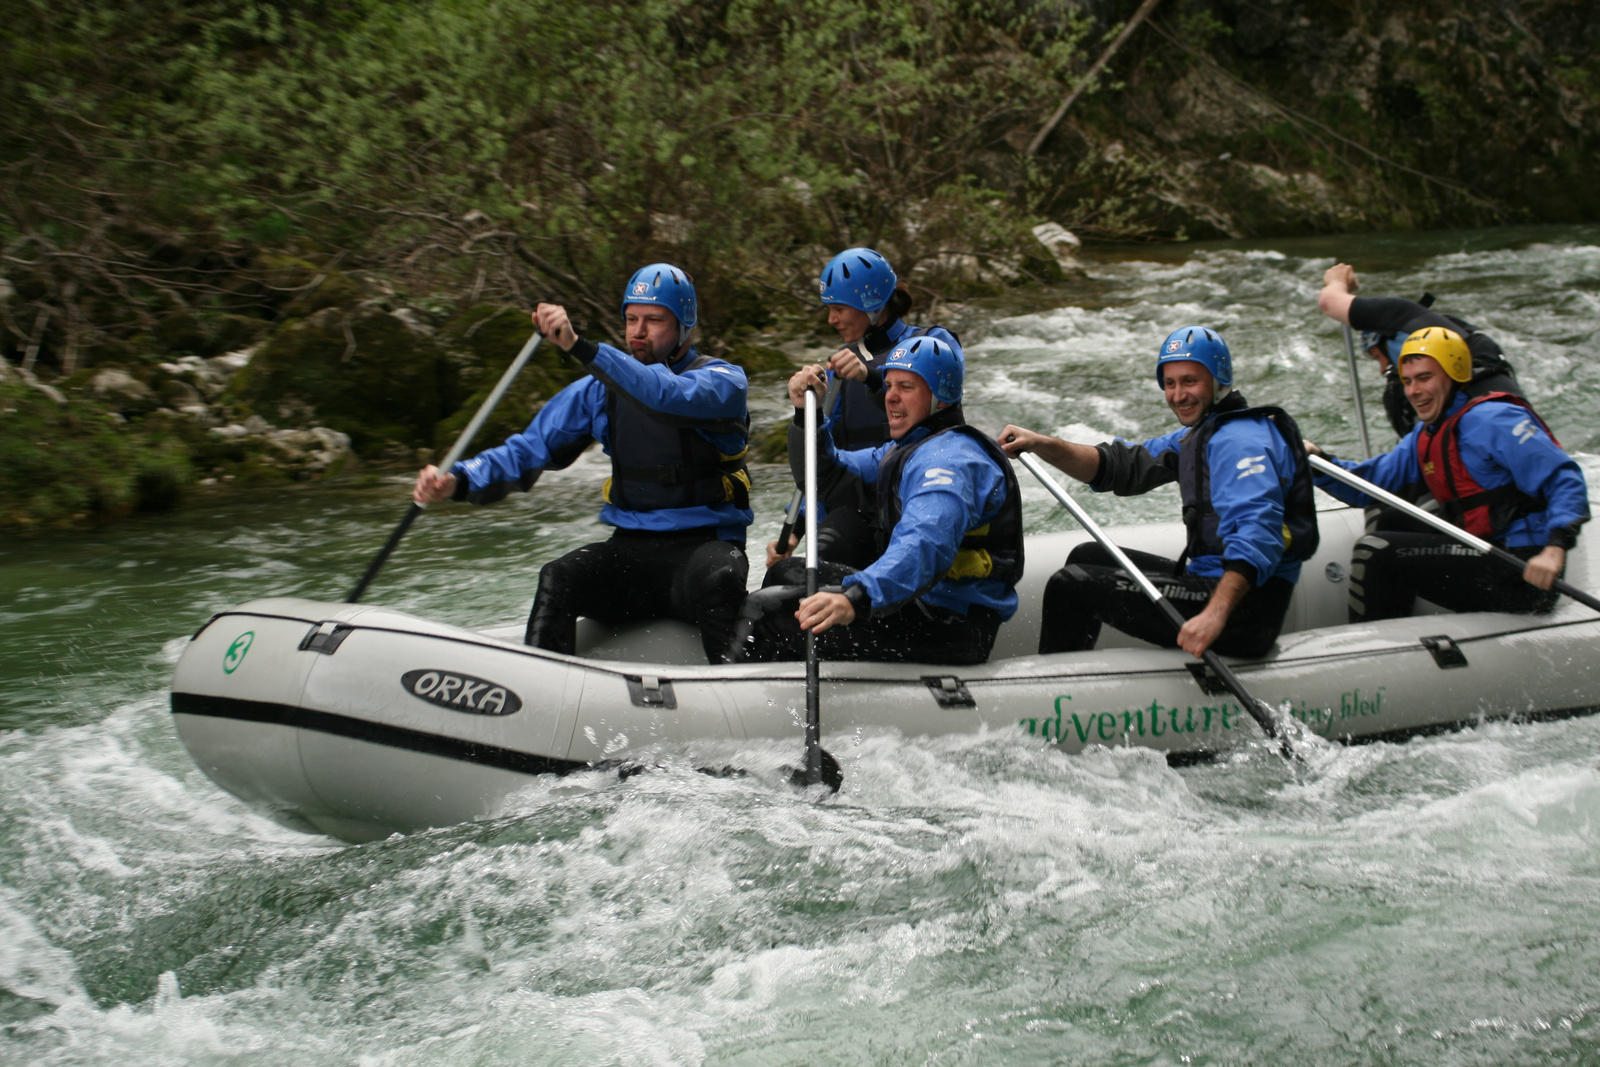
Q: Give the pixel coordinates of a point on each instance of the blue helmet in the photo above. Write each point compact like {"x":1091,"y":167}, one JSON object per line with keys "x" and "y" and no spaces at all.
{"x":935,"y":362}
{"x":1202,"y":345}
{"x":859,"y":278}
{"x":666,"y":285}
{"x":1389,"y":342}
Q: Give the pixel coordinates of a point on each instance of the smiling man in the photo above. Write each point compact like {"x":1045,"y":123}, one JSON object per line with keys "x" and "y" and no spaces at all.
{"x":950,"y":511}
{"x":675,"y":425}
{"x":1247,"y":504}
{"x":1498,"y":472}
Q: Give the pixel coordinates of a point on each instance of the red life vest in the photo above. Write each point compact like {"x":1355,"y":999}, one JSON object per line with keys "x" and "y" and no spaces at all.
{"x":1484,"y":512}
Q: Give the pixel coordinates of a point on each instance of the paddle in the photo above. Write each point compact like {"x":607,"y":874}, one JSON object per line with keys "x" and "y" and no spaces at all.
{"x":460,"y":446}
{"x":1355,"y":389}
{"x":1333,"y":470}
{"x":813,"y":772}
{"x":792,"y":514}
{"x":1258,"y":711}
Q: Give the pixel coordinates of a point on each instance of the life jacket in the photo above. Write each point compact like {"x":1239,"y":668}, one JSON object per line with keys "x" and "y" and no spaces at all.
{"x":861,"y":422}
{"x":659,"y":461}
{"x":1484,"y":512}
{"x":1300,"y":533}
{"x":992,"y":550}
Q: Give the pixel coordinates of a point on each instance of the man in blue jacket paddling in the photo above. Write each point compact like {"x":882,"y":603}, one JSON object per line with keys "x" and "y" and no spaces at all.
{"x":1247,"y":505}
{"x":950,"y":510}
{"x":1498,"y":473}
{"x":676,"y":426}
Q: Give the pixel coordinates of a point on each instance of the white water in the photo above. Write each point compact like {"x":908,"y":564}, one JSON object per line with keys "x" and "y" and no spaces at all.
{"x":976,"y":899}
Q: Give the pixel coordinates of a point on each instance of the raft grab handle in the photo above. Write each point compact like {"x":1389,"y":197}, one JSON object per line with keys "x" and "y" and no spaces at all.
{"x":1446,"y":653}
{"x":949,"y":691}
{"x":649,"y":691}
{"x":326,"y":637}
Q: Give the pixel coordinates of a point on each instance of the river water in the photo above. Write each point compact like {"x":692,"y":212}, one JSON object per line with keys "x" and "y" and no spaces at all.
{"x":966,"y":900}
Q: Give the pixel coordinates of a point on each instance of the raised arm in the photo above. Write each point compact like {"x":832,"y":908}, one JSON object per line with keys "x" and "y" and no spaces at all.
{"x":1339,"y":287}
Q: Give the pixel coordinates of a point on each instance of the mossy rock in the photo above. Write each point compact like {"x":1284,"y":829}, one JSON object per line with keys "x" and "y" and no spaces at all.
{"x":770,"y":444}
{"x":230,"y":333}
{"x":481,"y":342}
{"x":303,"y":288}
{"x":743,"y":348}
{"x":75,"y":464}
{"x":361,"y":371}
{"x":182,"y":332}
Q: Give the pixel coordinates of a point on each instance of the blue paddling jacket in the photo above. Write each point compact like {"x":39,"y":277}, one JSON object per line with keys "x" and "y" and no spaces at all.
{"x":951,"y":488}
{"x":676,"y":434}
{"x":1248,"y":506}
{"x":1500,"y":445}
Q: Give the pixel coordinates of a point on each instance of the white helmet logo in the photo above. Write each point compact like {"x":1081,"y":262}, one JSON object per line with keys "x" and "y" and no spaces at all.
{"x":640,"y":288}
{"x":1174,"y":346}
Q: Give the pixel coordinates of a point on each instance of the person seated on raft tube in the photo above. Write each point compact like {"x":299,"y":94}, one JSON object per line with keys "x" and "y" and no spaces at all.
{"x":950,"y":508}
{"x":676,"y":426}
{"x":1386,"y":322}
{"x":1498,"y":472}
{"x":866,"y":305}
{"x":1247,"y":504}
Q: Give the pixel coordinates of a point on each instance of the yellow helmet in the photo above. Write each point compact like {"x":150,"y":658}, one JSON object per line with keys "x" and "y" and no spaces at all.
{"x":1444,"y":346}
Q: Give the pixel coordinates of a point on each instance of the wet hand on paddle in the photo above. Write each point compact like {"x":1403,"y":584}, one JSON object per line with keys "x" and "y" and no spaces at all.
{"x":433,"y":486}
{"x":823,"y":611}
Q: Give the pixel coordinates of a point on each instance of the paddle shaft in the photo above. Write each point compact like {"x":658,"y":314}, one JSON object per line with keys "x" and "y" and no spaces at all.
{"x":813,"y":669}
{"x":1355,"y":390}
{"x":1257,"y":710}
{"x":791,"y":514}
{"x":1354,"y":481}
{"x":484,"y":411}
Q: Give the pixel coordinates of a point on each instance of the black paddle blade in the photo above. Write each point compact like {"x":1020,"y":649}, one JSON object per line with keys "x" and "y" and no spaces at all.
{"x":832,"y":774}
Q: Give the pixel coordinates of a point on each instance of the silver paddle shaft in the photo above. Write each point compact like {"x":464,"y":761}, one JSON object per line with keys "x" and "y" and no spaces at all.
{"x":1354,"y":481}
{"x":1029,"y":460}
{"x":1355,"y":390}
{"x":488,"y":406}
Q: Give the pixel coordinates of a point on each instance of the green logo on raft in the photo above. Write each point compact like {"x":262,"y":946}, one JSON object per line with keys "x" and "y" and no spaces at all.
{"x":1159,"y":720}
{"x":235,"y":654}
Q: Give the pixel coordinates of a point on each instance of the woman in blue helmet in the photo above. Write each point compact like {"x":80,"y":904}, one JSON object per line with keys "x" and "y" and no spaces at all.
{"x":949,"y":504}
{"x":675,"y":424}
{"x":866,"y":305}
{"x":1247,"y":504}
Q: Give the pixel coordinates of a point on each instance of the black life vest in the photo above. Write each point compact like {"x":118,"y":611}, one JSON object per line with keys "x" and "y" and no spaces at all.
{"x":1300,"y":534}
{"x":660,"y":461}
{"x":1484,"y":512}
{"x":992,"y":550}
{"x":860,"y":421}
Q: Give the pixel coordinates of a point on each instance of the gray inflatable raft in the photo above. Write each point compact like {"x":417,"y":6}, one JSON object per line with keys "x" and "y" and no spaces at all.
{"x":360,"y":721}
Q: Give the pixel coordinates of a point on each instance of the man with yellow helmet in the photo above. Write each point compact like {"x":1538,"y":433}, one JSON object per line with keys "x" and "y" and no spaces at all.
{"x":1498,"y":472}
{"x":1386,"y":321}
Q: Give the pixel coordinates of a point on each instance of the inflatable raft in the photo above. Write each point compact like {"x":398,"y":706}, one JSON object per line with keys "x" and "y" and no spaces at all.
{"x":359,"y":721}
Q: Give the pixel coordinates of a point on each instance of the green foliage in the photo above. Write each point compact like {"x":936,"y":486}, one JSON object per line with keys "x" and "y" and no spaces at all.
{"x":516,"y":150}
